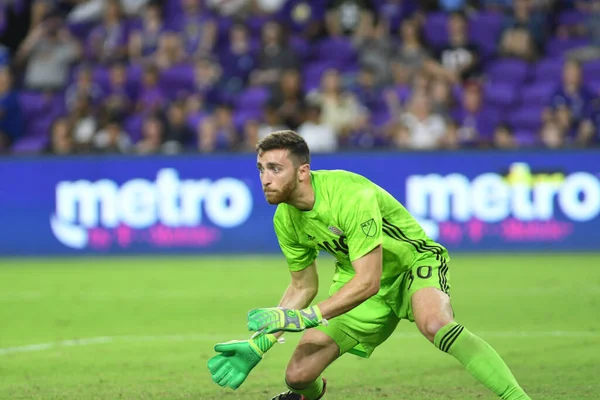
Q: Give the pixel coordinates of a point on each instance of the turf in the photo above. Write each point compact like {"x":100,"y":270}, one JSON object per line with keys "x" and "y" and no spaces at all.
{"x":143,"y":328}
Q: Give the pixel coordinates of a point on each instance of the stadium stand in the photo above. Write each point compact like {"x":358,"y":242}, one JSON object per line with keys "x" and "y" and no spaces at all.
{"x":143,"y":77}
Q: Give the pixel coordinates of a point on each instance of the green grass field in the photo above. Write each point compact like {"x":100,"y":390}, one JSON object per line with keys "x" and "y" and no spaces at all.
{"x":143,"y":328}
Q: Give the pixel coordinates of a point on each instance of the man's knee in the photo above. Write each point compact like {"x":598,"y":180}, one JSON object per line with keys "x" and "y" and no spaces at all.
{"x":430,"y":327}
{"x":299,"y":377}
{"x":432,"y":311}
{"x":314,"y":353}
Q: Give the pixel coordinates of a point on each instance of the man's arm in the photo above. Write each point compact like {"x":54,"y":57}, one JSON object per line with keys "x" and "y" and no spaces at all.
{"x":302,"y":290}
{"x":361,"y":287}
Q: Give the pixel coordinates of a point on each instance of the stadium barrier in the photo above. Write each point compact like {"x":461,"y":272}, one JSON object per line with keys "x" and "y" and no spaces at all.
{"x":213,"y":204}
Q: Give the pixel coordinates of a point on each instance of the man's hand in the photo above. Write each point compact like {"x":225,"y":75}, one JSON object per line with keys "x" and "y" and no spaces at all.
{"x":237,"y":358}
{"x":276,"y":319}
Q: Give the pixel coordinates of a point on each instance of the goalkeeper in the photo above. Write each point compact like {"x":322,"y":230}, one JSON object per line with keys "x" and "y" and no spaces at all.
{"x":387,"y":269}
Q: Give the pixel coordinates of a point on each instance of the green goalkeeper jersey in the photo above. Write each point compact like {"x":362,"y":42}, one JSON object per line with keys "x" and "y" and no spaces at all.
{"x":351,"y":216}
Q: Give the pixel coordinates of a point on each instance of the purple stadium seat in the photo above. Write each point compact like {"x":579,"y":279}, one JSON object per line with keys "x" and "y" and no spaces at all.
{"x":253,"y":98}
{"x":30,"y":144}
{"x":81,"y":30}
{"x":548,"y":70}
{"x":509,"y":70}
{"x":176,"y":79}
{"x":557,"y":47}
{"x":133,"y":126}
{"x":312,"y":74}
{"x":528,"y":117}
{"x":502,"y":95}
{"x":436,"y":29}
{"x":571,"y":17}
{"x":485,"y":29}
{"x":339,"y":51}
{"x":101,"y":76}
{"x":526,"y":138}
{"x":195,"y":119}
{"x":591,"y":70}
{"x":240,"y":118}
{"x":537,"y":93}
{"x":594,"y":86}
{"x":300,"y":46}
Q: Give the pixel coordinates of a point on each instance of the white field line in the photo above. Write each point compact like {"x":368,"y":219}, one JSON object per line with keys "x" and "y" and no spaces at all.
{"x":222,"y":337}
{"x":8,"y":296}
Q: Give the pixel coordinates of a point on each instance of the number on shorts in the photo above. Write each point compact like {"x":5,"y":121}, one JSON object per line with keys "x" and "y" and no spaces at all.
{"x":422,"y":275}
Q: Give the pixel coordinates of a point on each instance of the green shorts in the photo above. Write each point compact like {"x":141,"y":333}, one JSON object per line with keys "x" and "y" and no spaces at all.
{"x":371,"y":323}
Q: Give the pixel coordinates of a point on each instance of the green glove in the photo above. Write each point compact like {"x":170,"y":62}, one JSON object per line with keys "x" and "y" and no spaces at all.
{"x":237,"y":358}
{"x":271,"y":320}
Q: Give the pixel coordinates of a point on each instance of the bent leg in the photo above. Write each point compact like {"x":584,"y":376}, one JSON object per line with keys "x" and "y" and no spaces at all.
{"x":315,"y":352}
{"x":434,"y":317}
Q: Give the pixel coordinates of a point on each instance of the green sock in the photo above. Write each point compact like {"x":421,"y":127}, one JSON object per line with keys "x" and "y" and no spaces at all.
{"x":314,"y":391}
{"x":480,"y":359}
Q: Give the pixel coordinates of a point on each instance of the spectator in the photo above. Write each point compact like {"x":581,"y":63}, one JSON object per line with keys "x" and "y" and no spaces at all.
{"x":524,"y":32}
{"x":570,"y":100}
{"x":178,"y":133}
{"x":393,"y":12}
{"x":84,"y":123}
{"x":271,"y":122}
{"x":288,"y":98}
{"x":197,"y":29}
{"x":321,"y":138}
{"x":339,"y":108}
{"x":11,"y":116}
{"x":551,"y":135}
{"x":450,"y":140}
{"x":367,"y":92}
{"x":230,"y":8}
{"x":61,"y":140}
{"x":108,"y":42}
{"x":218,"y":132}
{"x":344,"y":17}
{"x":411,"y":55}
{"x":112,"y":138}
{"x":143,"y":41}
{"x":121,"y":96}
{"x":591,"y":29}
{"x":425,"y":129}
{"x":153,"y":136}
{"x":275,"y":56}
{"x":442,"y":97}
{"x":400,"y":136}
{"x":237,"y":60}
{"x":375,"y":50}
{"x":207,"y":82}
{"x":459,"y":60}
{"x":151,"y":97}
{"x":170,"y":51}
{"x":476,"y":121}
{"x":304,"y":18}
{"x":84,"y":85}
{"x":47,"y":53}
{"x":504,"y":138}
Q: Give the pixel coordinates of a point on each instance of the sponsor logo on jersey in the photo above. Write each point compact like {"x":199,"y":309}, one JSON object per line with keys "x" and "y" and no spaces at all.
{"x":335,"y":230}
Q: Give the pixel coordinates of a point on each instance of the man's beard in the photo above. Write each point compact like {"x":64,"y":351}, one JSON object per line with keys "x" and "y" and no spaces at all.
{"x":284,"y":194}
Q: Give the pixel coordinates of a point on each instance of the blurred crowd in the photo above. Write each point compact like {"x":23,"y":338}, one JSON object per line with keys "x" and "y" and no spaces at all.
{"x":147,"y":76}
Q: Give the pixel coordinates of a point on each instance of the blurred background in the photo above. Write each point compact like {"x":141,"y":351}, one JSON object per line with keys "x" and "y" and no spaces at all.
{"x":134,"y":233}
{"x":147,"y":77}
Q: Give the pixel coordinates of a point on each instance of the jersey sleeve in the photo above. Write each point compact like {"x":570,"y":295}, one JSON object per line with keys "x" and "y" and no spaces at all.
{"x":361,"y":222}
{"x":298,"y":256}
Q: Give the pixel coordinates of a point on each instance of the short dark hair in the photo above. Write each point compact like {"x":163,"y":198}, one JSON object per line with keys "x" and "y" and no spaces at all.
{"x":286,"y":140}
